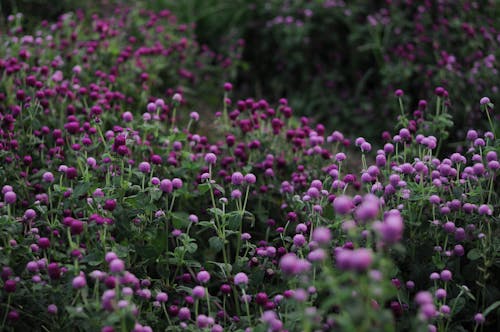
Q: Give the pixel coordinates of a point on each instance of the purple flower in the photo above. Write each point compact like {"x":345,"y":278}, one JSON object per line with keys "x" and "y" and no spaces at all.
{"x":145,"y":167}
{"x":199,"y":291}
{"x":322,"y":235}
{"x":484,"y":101}
{"x":423,"y":297}
{"x":151,"y":107}
{"x":290,"y":264}
{"x":235,"y":194}
{"x":48,"y":177}
{"x":29,"y":214}
{"x":446,"y":275}
{"x":127,"y":117}
{"x":110,"y":256}
{"x":116,"y":265}
{"x":79,"y":282}
{"x":392,"y":228}
{"x":177,"y":183}
{"x":342,"y":204}
{"x":210,"y":158}
{"x":10,"y":197}
{"x":166,"y":186}
{"x":52,"y":309}
{"x":177,"y":97}
{"x":237,"y":178}
{"x":162,"y":297}
{"x":316,"y":255}
{"x":479,"y":318}
{"x":299,"y":240}
{"x":250,"y":178}
{"x":10,"y":286}
{"x":6,"y":189}
{"x":203,"y":277}
{"x":240,"y":279}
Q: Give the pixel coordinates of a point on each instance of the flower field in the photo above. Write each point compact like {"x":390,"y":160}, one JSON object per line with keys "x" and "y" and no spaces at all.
{"x":140,"y":191}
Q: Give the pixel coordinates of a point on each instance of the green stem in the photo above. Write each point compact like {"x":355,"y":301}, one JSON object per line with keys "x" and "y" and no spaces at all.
{"x":6,"y":311}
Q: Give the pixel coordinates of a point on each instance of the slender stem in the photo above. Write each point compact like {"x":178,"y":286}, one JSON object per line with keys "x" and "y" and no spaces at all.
{"x":247,"y":308}
{"x":6,"y":311}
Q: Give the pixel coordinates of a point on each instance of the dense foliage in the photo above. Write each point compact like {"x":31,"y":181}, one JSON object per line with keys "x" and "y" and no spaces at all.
{"x":127,"y":206}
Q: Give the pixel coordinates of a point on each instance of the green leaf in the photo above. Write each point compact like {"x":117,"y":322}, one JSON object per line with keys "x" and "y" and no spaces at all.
{"x":179,"y":219}
{"x":457,"y":304}
{"x":76,"y":313}
{"x":206,"y":223}
{"x":492,"y":307}
{"x":191,"y":247}
{"x":203,"y":188}
{"x":219,"y":188}
{"x":474,"y":254}
{"x":216,"y":243}
{"x":93,"y":259}
{"x":155,"y":194}
{"x":81,"y":189}
{"x":216,"y":211}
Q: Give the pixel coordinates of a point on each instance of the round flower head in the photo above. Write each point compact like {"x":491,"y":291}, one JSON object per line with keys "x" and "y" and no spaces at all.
{"x":250,"y":178}
{"x":203,"y":277}
{"x":342,"y":204}
{"x":48,"y":177}
{"x":322,"y":235}
{"x":29,"y":214}
{"x":10,"y":197}
{"x":177,"y":183}
{"x":116,"y":265}
{"x":151,"y":107}
{"x":479,"y":318}
{"x":237,"y":178}
{"x":240,"y":279}
{"x":184,"y":313}
{"x":235,"y":194}
{"x":177,"y":98}
{"x":446,"y":275}
{"x":79,"y":282}
{"x":299,"y":240}
{"x":392,"y":229}
{"x":110,"y":256}
{"x":210,"y":158}
{"x":166,"y":186}
{"x":340,"y":157}
{"x":316,"y":255}
{"x":199,"y":291}
{"x":144,"y":167}
{"x":52,"y":309}
{"x":162,"y":297}
{"x":361,"y":259}
{"x":194,"y":116}
{"x":127,"y":116}
{"x":484,"y":101}
{"x":6,"y":189}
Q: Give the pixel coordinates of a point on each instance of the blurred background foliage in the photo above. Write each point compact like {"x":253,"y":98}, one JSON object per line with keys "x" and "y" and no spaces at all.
{"x":339,"y":62}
